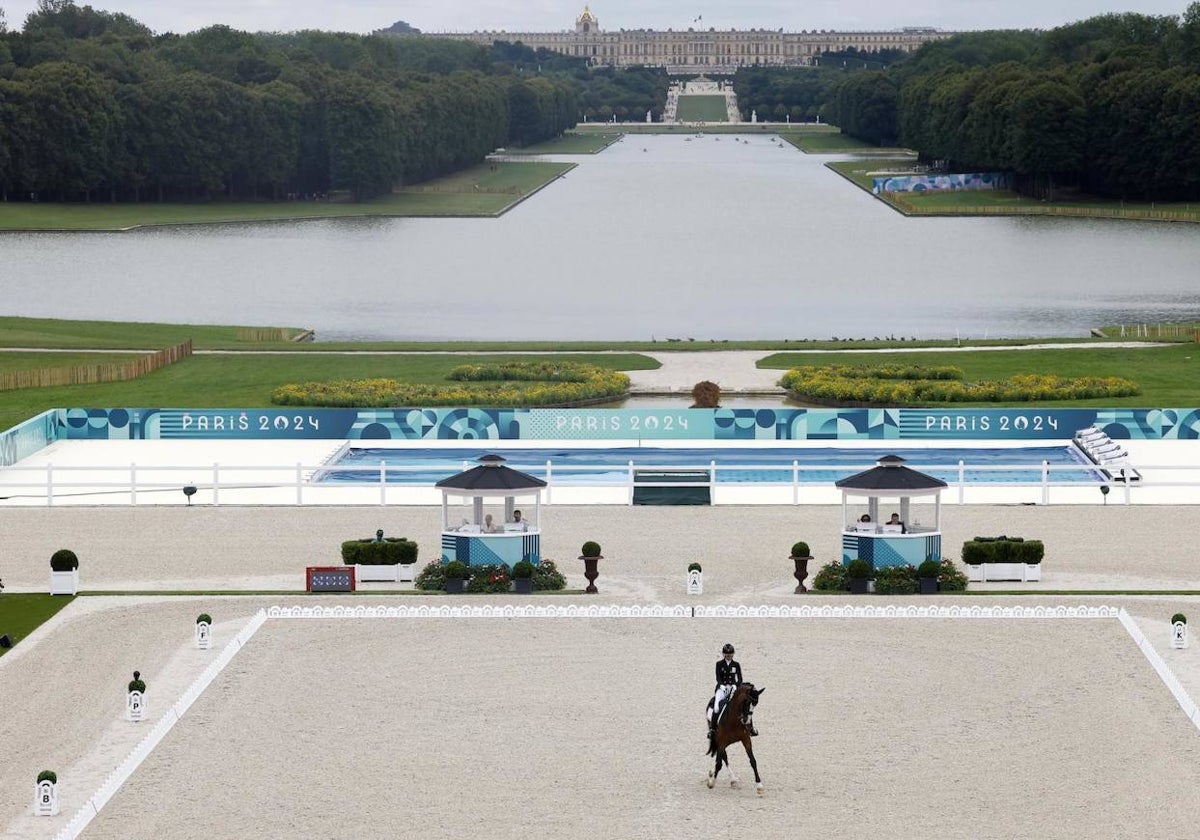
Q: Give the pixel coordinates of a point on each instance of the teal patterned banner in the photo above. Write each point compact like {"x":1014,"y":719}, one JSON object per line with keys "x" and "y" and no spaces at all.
{"x":741,"y":424}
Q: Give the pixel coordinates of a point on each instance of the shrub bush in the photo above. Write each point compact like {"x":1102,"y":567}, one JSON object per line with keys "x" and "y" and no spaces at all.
{"x":137,"y":683}
{"x":694,"y":567}
{"x":204,"y":617}
{"x":800,"y":549}
{"x":1002,"y":550}
{"x":489,"y":578}
{"x":1030,"y":552}
{"x":706,"y":394}
{"x":858,"y":569}
{"x":1178,"y":617}
{"x":929,"y":569}
{"x":432,"y":578}
{"x":950,"y":578}
{"x":590,"y":549}
{"x":547,"y":577}
{"x":48,"y":776}
{"x":523,"y":569}
{"x":831,"y":578}
{"x":896,"y":580}
{"x":64,"y":560}
{"x":370,"y":553}
{"x":457,"y":569}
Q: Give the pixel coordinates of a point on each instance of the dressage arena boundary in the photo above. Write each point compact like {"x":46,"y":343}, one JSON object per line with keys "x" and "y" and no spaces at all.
{"x":119,"y":776}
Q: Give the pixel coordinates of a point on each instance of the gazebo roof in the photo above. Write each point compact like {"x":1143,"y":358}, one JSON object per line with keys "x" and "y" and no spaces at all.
{"x":889,"y":475}
{"x":491,"y":476}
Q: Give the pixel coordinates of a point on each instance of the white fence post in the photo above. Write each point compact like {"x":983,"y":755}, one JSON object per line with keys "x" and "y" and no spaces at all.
{"x":216,"y":484}
{"x":49,"y":485}
{"x":133,"y":484}
{"x":631,"y":482}
{"x":1045,"y":482}
{"x":299,"y":485}
{"x":795,"y":482}
{"x":549,"y":482}
{"x":962,"y":480}
{"x":382,"y":484}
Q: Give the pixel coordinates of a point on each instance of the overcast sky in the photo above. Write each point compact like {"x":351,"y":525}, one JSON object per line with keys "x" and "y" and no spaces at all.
{"x":556,"y":15}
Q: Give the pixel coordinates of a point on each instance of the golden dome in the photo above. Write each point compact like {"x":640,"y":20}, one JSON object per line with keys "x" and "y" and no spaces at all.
{"x":587,"y":15}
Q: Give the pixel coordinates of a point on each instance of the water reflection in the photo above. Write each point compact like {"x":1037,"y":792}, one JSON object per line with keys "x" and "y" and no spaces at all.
{"x":687,"y":239}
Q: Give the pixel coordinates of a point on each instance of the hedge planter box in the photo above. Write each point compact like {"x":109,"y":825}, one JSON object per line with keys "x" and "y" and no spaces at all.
{"x":390,"y":573}
{"x":454,"y":586}
{"x":64,"y":583}
{"x":1024,"y":572}
{"x":929,"y":586}
{"x":523,"y":586}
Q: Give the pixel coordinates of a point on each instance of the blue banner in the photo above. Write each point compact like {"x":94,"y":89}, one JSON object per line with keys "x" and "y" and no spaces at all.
{"x":740,"y":424}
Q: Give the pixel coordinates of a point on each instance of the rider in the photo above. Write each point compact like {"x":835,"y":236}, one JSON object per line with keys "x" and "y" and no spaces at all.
{"x":729,"y":677}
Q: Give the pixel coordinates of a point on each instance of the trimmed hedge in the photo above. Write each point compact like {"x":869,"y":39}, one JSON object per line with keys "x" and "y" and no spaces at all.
{"x":522,"y":569}
{"x":64,"y":560}
{"x":694,"y":567}
{"x":1003,"y":550}
{"x":590,"y":549}
{"x":800,"y":549}
{"x":858,"y":569}
{"x":48,"y":776}
{"x":929,"y":569}
{"x":391,"y":551}
{"x":896,"y":385}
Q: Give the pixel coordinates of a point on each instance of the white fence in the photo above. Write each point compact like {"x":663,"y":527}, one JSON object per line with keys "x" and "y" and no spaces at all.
{"x":795,"y":483}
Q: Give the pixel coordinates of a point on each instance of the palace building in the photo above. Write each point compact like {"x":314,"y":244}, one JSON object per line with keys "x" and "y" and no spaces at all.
{"x":709,"y":51}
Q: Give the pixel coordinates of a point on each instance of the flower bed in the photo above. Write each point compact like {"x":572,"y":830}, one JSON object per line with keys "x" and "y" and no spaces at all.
{"x":904,"y":385}
{"x":504,"y":385}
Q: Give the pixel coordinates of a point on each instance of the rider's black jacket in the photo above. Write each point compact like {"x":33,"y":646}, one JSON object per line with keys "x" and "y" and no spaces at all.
{"x":728,"y":673}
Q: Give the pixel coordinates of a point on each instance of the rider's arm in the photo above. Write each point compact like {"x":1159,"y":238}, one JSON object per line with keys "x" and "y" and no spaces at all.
{"x":738,"y":668}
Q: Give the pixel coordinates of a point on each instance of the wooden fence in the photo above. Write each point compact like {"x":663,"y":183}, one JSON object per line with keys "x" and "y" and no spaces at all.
{"x":909,"y":207}
{"x":264,"y":334}
{"x":92,"y":374}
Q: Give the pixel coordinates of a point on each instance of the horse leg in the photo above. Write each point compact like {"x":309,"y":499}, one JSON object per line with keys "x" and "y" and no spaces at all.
{"x":758,"y":783}
{"x":712,"y":774}
{"x":733,"y":779}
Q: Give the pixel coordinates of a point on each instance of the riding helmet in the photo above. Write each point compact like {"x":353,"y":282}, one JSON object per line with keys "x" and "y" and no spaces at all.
{"x":727,"y":649}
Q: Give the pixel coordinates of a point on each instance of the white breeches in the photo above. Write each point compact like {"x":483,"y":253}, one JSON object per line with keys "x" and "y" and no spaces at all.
{"x":722,"y":693}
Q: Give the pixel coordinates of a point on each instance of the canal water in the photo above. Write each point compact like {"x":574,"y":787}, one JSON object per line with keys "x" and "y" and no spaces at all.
{"x":714,"y":237}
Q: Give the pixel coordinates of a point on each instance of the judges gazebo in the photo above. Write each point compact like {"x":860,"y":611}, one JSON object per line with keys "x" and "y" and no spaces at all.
{"x":491,"y":532}
{"x":882,"y":544}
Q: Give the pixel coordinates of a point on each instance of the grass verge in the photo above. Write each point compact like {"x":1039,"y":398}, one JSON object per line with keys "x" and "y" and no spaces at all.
{"x":23,"y":613}
{"x":830,"y":143}
{"x":571,"y":143}
{"x":489,"y":189}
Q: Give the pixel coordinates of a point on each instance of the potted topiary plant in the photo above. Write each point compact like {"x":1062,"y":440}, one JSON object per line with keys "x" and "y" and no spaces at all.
{"x":64,"y":572}
{"x":135,"y":700}
{"x":1179,"y":631}
{"x":522,"y":577}
{"x":46,"y":794}
{"x":800,"y":558}
{"x":695,"y":579}
{"x":927,"y":574}
{"x":457,"y":573}
{"x":858,"y":573}
{"x":590,"y":554}
{"x":203,"y":628}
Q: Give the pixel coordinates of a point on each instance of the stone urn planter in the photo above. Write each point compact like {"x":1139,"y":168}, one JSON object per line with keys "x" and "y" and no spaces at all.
{"x":203,"y":631}
{"x":45,"y":794}
{"x":590,"y":555}
{"x":800,"y":557}
{"x":64,"y":572}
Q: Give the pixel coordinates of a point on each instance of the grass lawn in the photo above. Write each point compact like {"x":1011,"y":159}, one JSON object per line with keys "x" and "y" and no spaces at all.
{"x":695,"y":108}
{"x":1169,"y":375}
{"x":120,"y":335}
{"x":21,"y":614}
{"x":835,"y":143}
{"x":246,"y":381}
{"x":570,"y":143}
{"x":485,"y":190}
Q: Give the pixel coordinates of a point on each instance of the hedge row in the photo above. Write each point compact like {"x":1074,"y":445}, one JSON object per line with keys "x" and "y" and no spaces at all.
{"x":546,"y":576}
{"x":1002,"y":550}
{"x":391,"y":393}
{"x":834,"y":577}
{"x":370,"y":553}
{"x":818,"y":383}
{"x":548,"y":371}
{"x":879,"y":371}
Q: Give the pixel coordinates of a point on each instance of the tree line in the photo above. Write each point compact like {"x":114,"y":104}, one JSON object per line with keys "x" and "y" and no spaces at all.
{"x":93,"y":105}
{"x":1109,"y":105}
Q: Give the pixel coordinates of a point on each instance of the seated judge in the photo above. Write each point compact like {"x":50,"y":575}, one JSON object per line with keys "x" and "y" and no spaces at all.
{"x":896,"y":522}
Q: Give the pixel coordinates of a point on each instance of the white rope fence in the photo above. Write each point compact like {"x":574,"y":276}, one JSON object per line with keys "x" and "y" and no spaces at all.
{"x":125,"y":769}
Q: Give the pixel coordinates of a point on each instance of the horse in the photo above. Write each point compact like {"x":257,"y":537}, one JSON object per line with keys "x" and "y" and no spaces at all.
{"x":733,"y":728}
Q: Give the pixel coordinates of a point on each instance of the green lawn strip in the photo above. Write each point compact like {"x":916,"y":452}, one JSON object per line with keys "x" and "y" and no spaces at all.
{"x":11,"y":362}
{"x":702,"y":109}
{"x":183,"y":593}
{"x":860,"y":171}
{"x":1168,"y":375}
{"x":114,"y":335}
{"x":570,"y":144}
{"x":500,"y":185}
{"x":246,"y":381}
{"x":711,"y":128}
{"x":830,"y":143}
{"x":21,"y":614}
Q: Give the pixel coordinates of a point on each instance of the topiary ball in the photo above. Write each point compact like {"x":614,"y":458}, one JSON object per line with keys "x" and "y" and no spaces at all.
{"x":1179,"y":617}
{"x":590,"y":549}
{"x":694,"y":567}
{"x":858,"y":569}
{"x":48,"y":776}
{"x":64,"y":560}
{"x":204,"y":618}
{"x":929,"y":569}
{"x":800,"y":549}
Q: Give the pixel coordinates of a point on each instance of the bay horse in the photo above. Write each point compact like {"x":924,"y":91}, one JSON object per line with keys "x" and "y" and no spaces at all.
{"x":732,"y":728}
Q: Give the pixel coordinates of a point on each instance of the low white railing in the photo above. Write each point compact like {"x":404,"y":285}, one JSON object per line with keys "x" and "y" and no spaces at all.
{"x":141,"y":483}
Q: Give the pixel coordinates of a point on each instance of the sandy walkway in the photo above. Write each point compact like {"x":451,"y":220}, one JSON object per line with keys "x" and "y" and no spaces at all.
{"x":592,"y":729}
{"x":743,"y":550}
